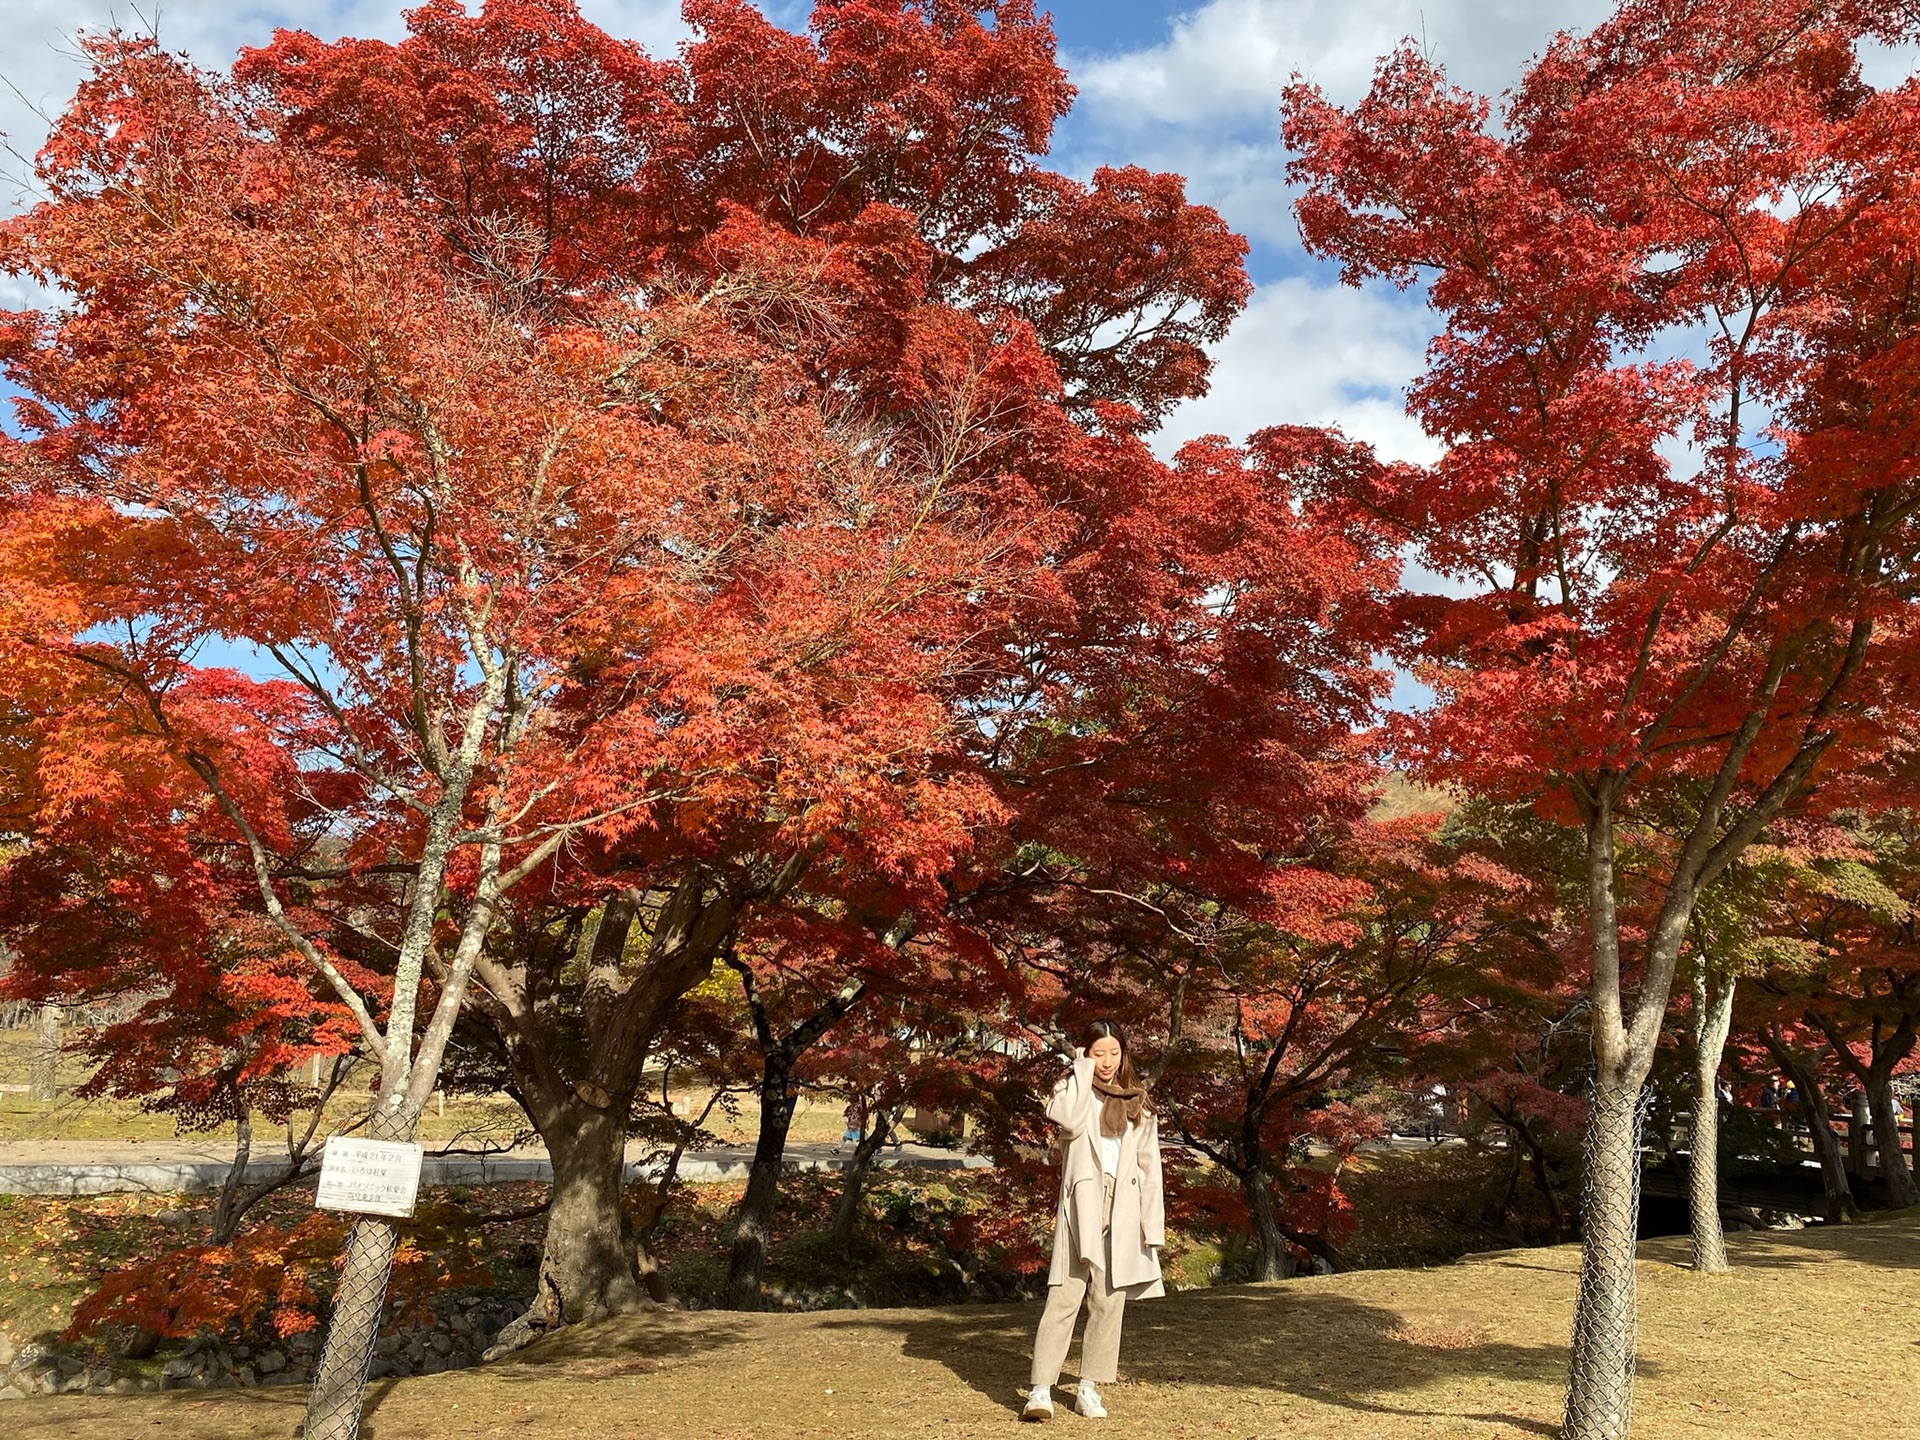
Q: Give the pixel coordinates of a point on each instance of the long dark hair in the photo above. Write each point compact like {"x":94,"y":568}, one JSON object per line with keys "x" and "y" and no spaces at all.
{"x":1124,"y":1077}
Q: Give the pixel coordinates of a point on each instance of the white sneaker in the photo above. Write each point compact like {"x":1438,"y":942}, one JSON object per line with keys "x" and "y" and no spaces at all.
{"x":1087,"y":1402}
{"x":1039,"y":1404}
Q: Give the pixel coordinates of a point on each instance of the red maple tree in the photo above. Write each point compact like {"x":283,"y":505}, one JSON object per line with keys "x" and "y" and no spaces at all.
{"x":1678,"y":585}
{"x":1014,"y":330}
{"x":626,"y":508}
{"x":531,"y":575}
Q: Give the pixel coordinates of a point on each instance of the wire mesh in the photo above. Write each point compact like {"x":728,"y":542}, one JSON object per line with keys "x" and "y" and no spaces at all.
{"x":1606,"y":1314}
{"x":359,"y":1302}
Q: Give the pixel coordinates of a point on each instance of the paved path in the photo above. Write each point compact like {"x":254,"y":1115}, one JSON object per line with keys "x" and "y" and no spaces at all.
{"x":99,"y":1167}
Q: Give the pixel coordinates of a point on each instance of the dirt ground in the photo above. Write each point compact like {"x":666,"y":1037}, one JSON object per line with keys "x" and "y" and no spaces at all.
{"x":1803,"y":1340}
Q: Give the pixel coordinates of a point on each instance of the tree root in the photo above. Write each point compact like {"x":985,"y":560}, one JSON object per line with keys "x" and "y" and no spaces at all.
{"x":534,"y":1326}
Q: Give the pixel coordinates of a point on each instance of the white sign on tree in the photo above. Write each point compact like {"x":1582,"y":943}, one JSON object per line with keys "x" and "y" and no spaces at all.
{"x":369,"y":1177}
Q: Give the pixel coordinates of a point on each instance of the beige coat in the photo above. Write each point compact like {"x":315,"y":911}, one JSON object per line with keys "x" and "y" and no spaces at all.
{"x":1139,"y":1203}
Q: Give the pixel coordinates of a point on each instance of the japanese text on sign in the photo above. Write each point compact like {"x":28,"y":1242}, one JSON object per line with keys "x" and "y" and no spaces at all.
{"x":369,"y":1177}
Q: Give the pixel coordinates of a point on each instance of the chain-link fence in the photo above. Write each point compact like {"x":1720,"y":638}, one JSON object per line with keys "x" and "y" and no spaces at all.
{"x":340,"y":1383}
{"x":1600,"y":1388}
{"x":360,"y":1302}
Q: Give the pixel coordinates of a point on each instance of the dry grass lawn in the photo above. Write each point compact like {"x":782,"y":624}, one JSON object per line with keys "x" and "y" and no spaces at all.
{"x":1816,"y":1337}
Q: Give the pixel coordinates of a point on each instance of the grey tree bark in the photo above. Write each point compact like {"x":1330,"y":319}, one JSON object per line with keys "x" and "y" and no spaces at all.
{"x":43,"y":1066}
{"x":410,"y":1070}
{"x":1600,"y":1382}
{"x":1600,"y":1386}
{"x":1888,"y":1150}
{"x":1606,"y":1317}
{"x":1858,"y":1119}
{"x":359,"y":1304}
{"x":846,"y":1212}
{"x":1804,"y":1071}
{"x":1890,"y":1043}
{"x":588,"y":1267}
{"x":1712,"y":1018}
{"x":1273,"y":1258}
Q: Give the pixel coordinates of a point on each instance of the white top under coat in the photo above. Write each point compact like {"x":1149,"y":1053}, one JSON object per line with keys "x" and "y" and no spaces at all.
{"x":1110,"y":1154}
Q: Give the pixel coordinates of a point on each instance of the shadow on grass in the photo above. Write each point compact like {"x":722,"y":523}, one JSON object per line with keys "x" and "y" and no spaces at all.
{"x":625,"y":1345}
{"x":1314,"y":1344}
{"x":1885,"y":1241}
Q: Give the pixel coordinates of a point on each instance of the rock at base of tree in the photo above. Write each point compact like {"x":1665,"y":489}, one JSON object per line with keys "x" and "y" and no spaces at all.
{"x":515,"y":1335}
{"x":519,"y":1333}
{"x":1740,"y":1217}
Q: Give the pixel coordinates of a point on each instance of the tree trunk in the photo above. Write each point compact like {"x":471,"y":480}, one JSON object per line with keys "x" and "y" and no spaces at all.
{"x":846,"y":1214}
{"x":592,"y":1260}
{"x":43,"y":1068}
{"x":226,"y":1212}
{"x":1605,"y":1321}
{"x":1826,"y":1146}
{"x":1840,"y":1202}
{"x":1857,"y":1134}
{"x":1543,"y":1182}
{"x":590,"y":1264}
{"x":1901,"y":1190}
{"x":333,"y":1409}
{"x":1510,"y":1222}
{"x":359,"y":1302}
{"x":593,"y":1257}
{"x":753,"y":1222}
{"x":1272,"y":1256}
{"x":1712,"y":1018}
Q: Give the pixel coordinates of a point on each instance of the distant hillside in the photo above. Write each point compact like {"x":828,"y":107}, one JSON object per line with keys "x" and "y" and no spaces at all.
{"x":1406,"y":797}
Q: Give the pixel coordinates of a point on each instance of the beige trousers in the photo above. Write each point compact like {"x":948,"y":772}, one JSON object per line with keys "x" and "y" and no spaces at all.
{"x":1100,"y":1346}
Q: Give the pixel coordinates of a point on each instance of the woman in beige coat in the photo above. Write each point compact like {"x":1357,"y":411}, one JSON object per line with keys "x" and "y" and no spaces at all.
{"x":1111,"y":1220}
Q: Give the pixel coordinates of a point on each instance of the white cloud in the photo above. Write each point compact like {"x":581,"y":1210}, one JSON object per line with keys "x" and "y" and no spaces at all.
{"x":1887,"y":66}
{"x":1243,"y":177}
{"x":1228,"y":61}
{"x":656,"y":24}
{"x":1316,"y":355}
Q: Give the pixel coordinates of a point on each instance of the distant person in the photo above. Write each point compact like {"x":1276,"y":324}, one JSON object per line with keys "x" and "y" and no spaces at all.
{"x":1110,"y":1224}
{"x":854,"y":1121}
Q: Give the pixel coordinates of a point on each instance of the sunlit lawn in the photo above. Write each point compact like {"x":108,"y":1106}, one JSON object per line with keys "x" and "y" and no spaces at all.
{"x":1813,"y":1337}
